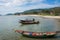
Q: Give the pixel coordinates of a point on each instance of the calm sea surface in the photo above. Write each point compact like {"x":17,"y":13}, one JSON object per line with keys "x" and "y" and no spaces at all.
{"x":8,"y":25}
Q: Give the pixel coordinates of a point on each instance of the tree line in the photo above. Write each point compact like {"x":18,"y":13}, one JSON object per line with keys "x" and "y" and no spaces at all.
{"x":49,"y":11}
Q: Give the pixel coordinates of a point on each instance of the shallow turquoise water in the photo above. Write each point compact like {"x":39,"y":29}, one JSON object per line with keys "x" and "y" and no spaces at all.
{"x":8,"y":25}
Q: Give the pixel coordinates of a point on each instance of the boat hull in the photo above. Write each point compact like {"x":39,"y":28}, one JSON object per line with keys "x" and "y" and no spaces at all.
{"x":30,"y":22}
{"x":37,"y":34}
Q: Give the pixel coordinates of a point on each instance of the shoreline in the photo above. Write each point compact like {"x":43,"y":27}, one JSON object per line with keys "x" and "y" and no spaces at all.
{"x":55,"y":17}
{"x":44,"y":16}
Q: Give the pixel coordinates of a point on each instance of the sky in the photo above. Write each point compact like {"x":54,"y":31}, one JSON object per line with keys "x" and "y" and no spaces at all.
{"x":12,"y":6}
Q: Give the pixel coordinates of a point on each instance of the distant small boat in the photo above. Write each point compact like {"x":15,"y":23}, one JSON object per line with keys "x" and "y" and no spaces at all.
{"x":29,"y":22}
{"x":36,"y":34}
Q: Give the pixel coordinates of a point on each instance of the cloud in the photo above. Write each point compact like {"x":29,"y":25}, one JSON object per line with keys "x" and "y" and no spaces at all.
{"x":34,"y":1}
{"x":7,"y":6}
{"x":16,"y":3}
{"x":42,"y":5}
{"x":19,"y":2}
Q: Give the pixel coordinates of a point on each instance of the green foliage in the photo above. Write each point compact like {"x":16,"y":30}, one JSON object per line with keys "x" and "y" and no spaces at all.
{"x":50,"y":11}
{"x":57,"y":14}
{"x":9,"y":14}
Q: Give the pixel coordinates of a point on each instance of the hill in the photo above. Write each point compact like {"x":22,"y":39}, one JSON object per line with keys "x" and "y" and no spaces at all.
{"x":48,"y":11}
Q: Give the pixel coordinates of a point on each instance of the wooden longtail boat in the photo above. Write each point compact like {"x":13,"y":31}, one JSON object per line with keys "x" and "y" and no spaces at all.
{"x":29,"y":21}
{"x":37,"y":34}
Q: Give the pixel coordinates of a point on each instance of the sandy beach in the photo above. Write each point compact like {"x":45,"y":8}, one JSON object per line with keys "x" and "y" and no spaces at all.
{"x":56,"y":17}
